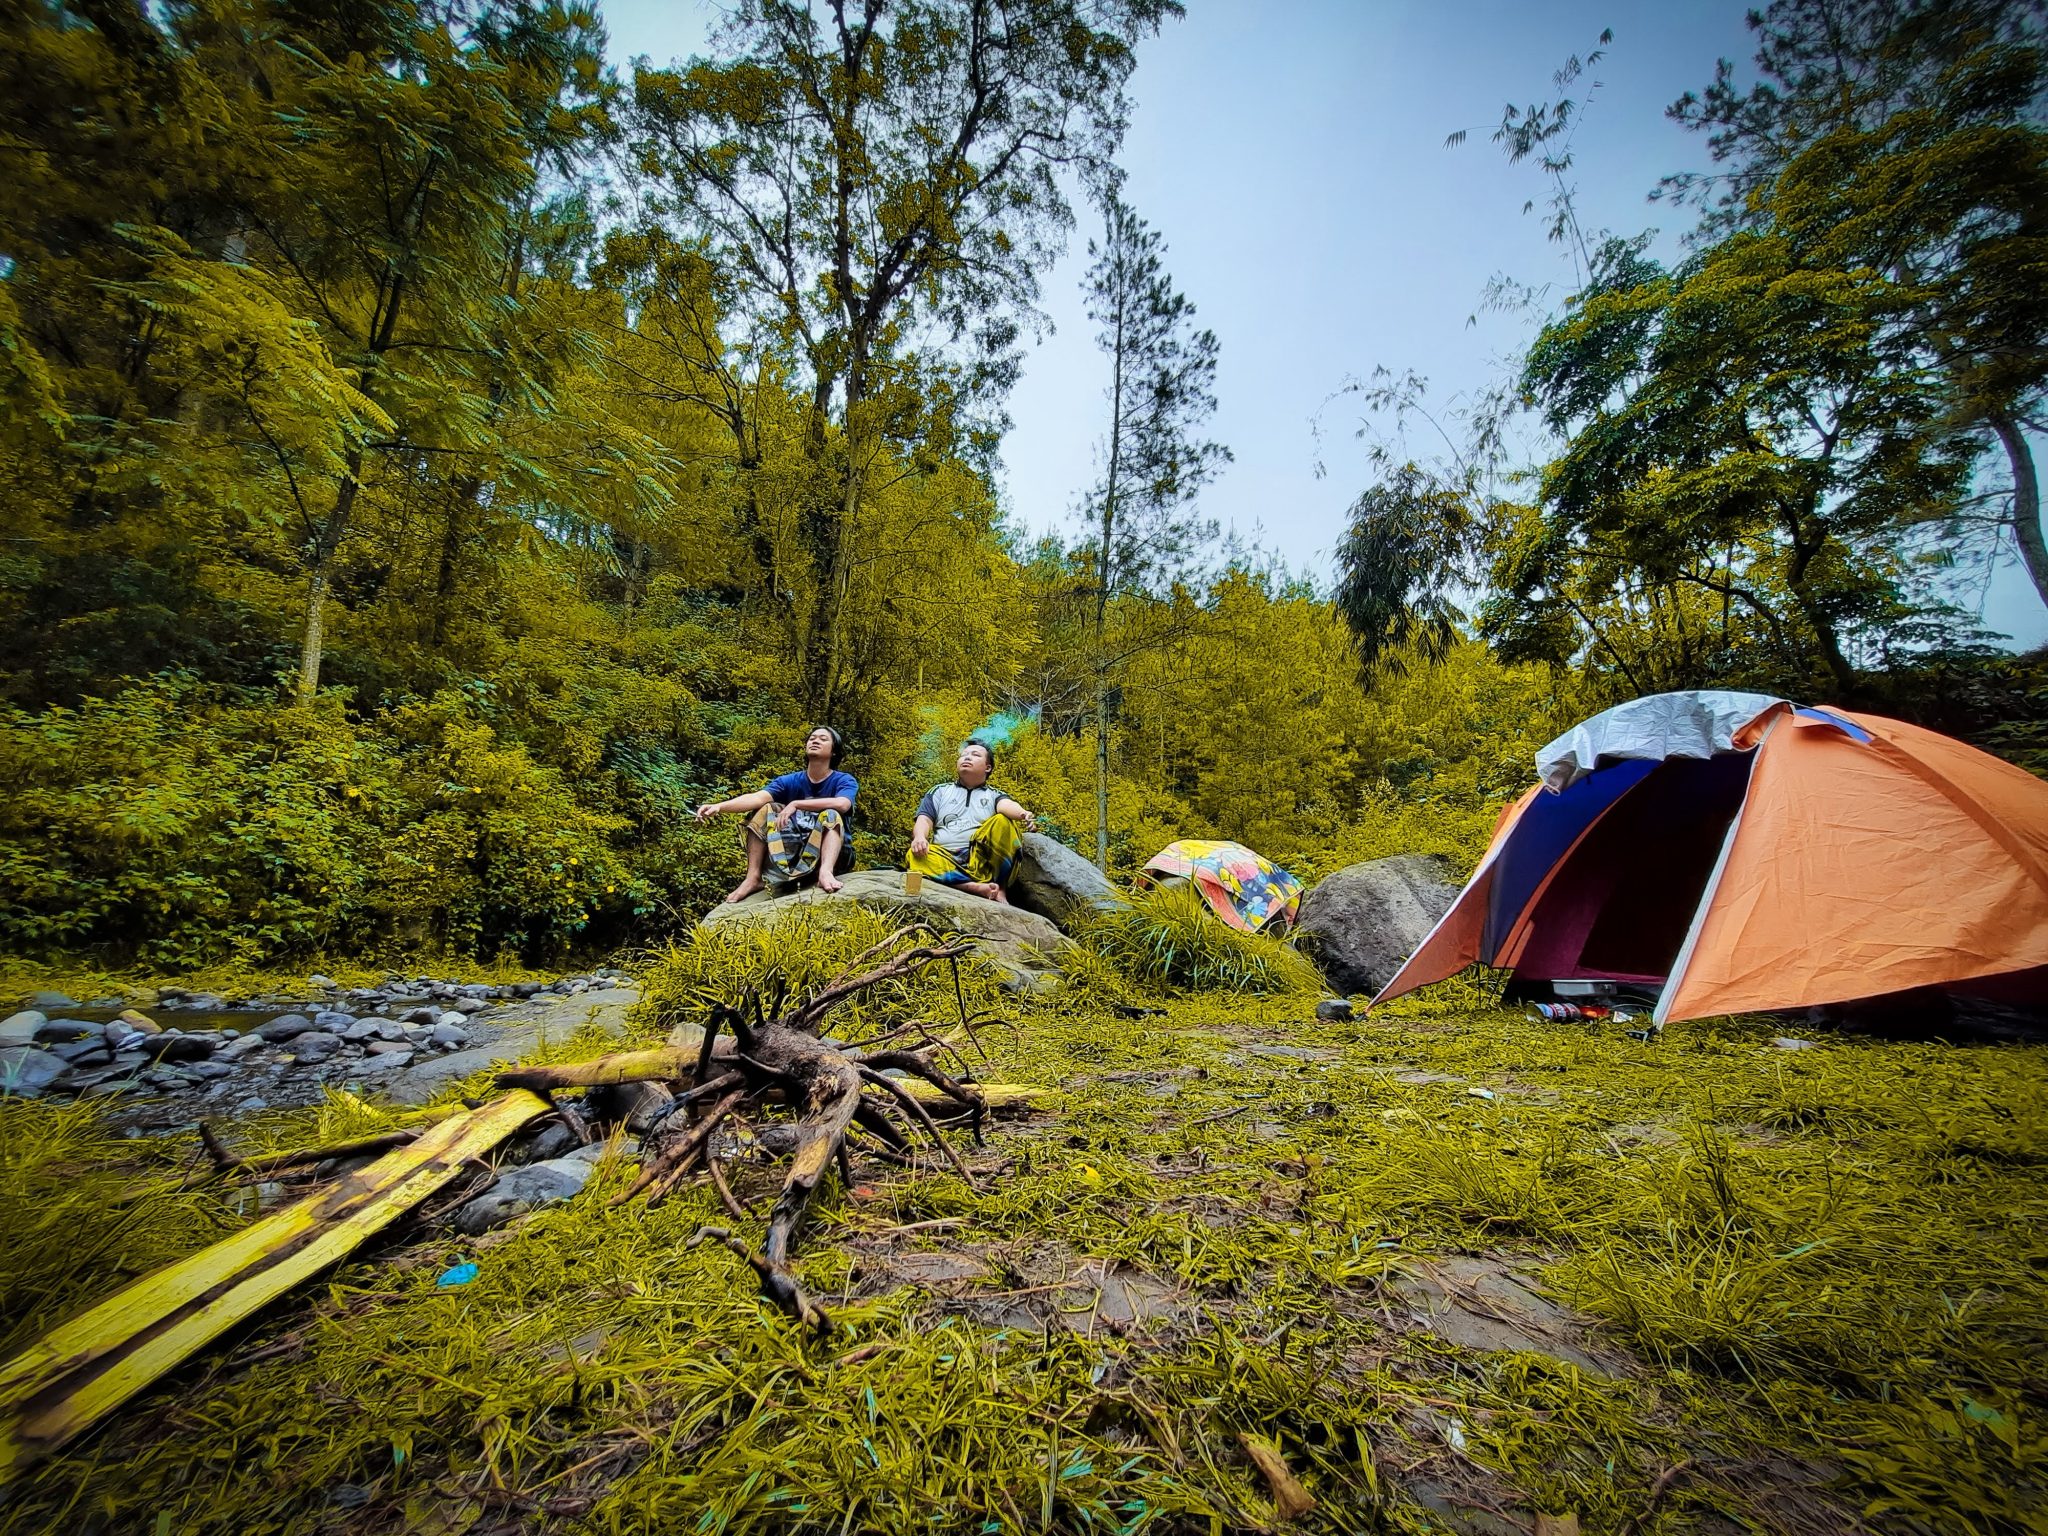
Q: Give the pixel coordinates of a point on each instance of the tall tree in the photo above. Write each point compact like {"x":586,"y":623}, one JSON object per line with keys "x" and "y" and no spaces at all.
{"x":1162,"y":378}
{"x":1744,"y":401}
{"x":880,"y":180}
{"x":1906,"y":136}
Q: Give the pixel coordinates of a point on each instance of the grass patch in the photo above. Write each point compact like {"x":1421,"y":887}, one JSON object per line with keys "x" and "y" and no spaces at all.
{"x":1816,"y":1281}
{"x":1169,"y":939}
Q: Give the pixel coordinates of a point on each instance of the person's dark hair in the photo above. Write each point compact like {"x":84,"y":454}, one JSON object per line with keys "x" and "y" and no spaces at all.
{"x":976,"y":741}
{"x":838,"y":742}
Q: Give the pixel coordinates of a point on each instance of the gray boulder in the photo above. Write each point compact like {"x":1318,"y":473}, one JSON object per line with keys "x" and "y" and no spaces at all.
{"x":639,"y":1105}
{"x":285,"y":1026}
{"x":49,"y":1000}
{"x":1361,"y":923}
{"x":1054,"y":881}
{"x":316,"y":1045}
{"x":25,"y":1071}
{"x":172,"y":1046}
{"x":1021,"y":947}
{"x":20,"y":1028}
{"x":58,"y":1031}
{"x":524,"y":1189}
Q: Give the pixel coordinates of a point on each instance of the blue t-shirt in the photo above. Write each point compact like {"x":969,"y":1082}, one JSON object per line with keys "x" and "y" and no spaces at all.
{"x":798,"y":786}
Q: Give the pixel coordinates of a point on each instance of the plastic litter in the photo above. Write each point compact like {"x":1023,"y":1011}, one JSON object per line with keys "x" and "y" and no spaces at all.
{"x":461,"y":1274}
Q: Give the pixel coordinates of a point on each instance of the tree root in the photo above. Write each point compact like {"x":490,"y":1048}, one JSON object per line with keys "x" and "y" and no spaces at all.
{"x":753,"y":1053}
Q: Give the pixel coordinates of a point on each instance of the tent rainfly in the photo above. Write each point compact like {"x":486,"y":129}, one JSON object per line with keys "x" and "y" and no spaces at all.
{"x":1739,"y":853}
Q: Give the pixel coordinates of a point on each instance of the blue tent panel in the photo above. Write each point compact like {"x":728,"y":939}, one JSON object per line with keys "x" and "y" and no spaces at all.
{"x":1550,"y":825}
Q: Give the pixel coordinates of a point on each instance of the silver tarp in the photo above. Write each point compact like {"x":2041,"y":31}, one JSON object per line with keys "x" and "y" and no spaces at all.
{"x":1695,"y":723}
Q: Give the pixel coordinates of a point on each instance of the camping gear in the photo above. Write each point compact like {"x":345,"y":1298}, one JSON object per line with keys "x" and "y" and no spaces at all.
{"x":1243,"y":889}
{"x":1736,"y":852}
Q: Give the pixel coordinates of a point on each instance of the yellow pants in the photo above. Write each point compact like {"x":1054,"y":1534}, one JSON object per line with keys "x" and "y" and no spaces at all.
{"x":991,"y":856}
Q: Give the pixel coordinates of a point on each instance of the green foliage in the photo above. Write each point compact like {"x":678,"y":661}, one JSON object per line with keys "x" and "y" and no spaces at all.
{"x":1170,"y":939}
{"x":184,"y":826}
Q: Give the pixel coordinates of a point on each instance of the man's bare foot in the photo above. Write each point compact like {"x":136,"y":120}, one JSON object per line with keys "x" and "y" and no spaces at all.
{"x":987,"y":890}
{"x":827,"y":881}
{"x":743,"y":890}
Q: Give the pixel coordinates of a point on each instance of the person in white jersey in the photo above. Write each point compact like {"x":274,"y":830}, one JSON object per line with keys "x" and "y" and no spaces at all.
{"x":968,"y":833}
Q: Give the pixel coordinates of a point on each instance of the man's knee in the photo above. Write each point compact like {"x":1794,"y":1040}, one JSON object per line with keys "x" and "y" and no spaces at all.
{"x":831,"y":821}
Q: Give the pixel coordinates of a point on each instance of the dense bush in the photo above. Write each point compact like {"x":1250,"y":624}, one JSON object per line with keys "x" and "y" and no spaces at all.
{"x":179,"y":825}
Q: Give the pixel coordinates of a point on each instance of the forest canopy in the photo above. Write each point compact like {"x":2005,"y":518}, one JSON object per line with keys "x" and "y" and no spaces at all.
{"x":437,"y":460}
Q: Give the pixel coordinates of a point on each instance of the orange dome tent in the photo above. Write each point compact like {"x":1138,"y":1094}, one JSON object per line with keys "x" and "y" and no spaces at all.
{"x":1736,"y":852}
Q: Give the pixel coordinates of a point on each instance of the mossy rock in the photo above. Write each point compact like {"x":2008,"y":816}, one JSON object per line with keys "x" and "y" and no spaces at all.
{"x":1022,"y":947}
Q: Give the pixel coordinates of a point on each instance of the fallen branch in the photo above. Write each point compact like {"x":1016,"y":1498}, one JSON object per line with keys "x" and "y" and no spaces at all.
{"x":277,"y":1162}
{"x":84,"y":1368}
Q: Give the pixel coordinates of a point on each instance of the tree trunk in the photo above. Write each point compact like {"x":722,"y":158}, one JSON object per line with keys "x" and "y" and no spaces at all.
{"x":310,"y":646}
{"x":1101,"y":770}
{"x":1102,"y":585}
{"x":2026,"y":501}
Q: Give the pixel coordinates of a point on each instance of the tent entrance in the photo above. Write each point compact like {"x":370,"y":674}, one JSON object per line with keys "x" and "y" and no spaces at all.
{"x":1619,"y":906}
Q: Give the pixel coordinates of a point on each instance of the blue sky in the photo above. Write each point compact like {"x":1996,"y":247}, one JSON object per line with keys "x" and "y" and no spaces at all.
{"x":1292,"y":155}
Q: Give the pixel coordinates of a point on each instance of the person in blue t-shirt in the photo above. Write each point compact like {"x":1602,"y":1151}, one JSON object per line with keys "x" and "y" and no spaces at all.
{"x":797,"y":825}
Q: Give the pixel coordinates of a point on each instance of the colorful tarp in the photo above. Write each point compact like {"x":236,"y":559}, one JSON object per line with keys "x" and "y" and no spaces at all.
{"x":1795,"y":857}
{"x":1242,"y":888}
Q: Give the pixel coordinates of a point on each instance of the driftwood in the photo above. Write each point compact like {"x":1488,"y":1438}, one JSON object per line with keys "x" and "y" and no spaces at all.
{"x":746,"y":1058}
{"x":89,"y":1365}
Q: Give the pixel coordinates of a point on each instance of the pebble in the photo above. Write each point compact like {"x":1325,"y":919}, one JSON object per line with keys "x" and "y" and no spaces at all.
{"x":90,"y":1049}
{"x":324,"y":983}
{"x":468,"y":1005}
{"x":449,"y":1037}
{"x":363,"y":1029}
{"x":139,"y":1021}
{"x":1335,"y":1009}
{"x":389,"y":1060}
{"x":387,"y":1047}
{"x":253,"y":1105}
{"x":209,"y":1071}
{"x":242,"y":1045}
{"x":49,"y":1000}
{"x":332,"y":1019}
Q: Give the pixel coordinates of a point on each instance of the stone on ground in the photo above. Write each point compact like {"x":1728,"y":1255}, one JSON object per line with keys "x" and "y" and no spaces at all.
{"x":1021,"y":947}
{"x":1360,"y":923}
{"x":1054,"y":881}
{"x":524,"y":1189}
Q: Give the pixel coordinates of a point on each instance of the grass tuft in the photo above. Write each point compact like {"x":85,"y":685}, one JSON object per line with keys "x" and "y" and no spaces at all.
{"x":1169,"y":939}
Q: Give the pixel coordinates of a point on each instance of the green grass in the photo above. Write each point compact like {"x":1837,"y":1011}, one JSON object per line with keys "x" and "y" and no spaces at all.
{"x":1170,"y":939}
{"x":1819,"y":1280}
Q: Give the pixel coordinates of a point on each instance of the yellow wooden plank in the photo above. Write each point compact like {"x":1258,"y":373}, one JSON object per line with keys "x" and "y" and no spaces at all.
{"x":89,"y":1365}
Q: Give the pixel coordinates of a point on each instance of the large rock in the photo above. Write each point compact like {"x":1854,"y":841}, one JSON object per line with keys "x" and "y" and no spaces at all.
{"x":25,"y":1071}
{"x":1361,"y":923}
{"x":520,"y":1190}
{"x":1021,"y":947}
{"x":1054,"y":881}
